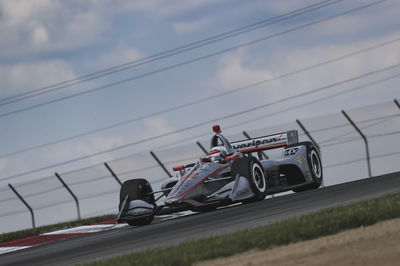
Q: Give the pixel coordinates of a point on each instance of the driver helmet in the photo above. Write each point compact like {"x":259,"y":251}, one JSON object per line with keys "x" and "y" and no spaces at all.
{"x":217,"y":153}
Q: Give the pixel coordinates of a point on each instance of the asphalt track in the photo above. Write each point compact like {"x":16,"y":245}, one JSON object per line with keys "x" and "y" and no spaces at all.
{"x":128,"y":239}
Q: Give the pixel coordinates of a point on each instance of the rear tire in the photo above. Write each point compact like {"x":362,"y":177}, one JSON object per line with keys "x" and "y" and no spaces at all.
{"x":137,"y":189}
{"x":315,"y":165}
{"x":252,"y":169}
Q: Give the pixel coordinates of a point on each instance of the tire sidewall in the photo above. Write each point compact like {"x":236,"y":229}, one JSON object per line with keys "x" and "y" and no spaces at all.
{"x":312,"y":157}
{"x":255,"y":167}
{"x":245,"y":167}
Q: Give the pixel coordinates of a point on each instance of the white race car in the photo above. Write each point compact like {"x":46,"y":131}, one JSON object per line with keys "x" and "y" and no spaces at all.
{"x":229,"y":173}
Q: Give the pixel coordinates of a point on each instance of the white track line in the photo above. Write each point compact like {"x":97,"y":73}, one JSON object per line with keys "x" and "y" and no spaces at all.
{"x":11,"y":249}
{"x":85,"y":229}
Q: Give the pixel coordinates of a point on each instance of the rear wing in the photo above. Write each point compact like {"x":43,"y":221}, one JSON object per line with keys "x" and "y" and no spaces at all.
{"x":266,"y":142}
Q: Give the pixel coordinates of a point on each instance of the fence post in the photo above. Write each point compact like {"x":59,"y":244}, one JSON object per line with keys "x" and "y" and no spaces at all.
{"x":201,"y":147}
{"x":397,"y":103}
{"x":72,"y":194}
{"x":365,"y":141}
{"x":113,"y":173}
{"x":259,"y":153}
{"x":308,"y":134}
{"x":161,"y":164}
{"x":26,"y":204}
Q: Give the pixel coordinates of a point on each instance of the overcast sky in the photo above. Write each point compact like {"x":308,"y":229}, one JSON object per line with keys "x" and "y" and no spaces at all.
{"x":44,"y":42}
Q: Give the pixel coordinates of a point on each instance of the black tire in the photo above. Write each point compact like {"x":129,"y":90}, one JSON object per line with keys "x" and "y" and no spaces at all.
{"x":252,"y":169}
{"x":315,"y":165}
{"x":137,"y":189}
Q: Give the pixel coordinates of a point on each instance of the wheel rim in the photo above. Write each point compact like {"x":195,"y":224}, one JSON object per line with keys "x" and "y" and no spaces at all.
{"x":258,"y":178}
{"x":316,"y":164}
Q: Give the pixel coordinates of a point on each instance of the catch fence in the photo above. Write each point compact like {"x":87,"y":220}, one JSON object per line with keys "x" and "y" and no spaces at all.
{"x":354,"y":144}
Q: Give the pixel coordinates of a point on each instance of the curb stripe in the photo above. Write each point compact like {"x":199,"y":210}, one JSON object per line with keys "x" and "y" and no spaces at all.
{"x":10,"y":249}
{"x":37,"y":240}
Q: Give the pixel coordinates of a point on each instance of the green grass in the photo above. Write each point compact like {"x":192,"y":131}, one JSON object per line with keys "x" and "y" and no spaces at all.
{"x":322,"y":223}
{"x":49,"y":228}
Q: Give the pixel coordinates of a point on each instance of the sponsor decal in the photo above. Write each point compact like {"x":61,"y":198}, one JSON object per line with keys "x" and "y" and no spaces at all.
{"x":257,"y":142}
{"x":290,"y":152}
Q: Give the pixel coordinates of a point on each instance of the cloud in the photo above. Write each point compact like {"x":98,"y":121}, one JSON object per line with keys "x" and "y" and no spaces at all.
{"x":157,"y":126}
{"x":166,"y":8}
{"x":37,"y":27}
{"x":98,"y":144}
{"x":191,"y":26}
{"x":247,"y":67}
{"x":92,"y":145}
{"x":44,"y":26}
{"x":233,"y":72}
{"x":120,"y":54}
{"x":3,"y":164}
{"x":22,"y":77}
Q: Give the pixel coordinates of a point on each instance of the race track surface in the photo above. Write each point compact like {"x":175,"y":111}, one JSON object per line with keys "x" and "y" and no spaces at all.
{"x":115,"y":242}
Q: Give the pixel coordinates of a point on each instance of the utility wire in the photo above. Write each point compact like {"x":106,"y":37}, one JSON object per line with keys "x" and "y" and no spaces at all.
{"x":277,"y":112}
{"x":190,"y":61}
{"x":168,"y":53}
{"x":352,"y":131}
{"x":218,"y":119}
{"x":193,"y":158}
{"x":387,"y":117}
{"x":362,"y":159}
{"x":215,"y":96}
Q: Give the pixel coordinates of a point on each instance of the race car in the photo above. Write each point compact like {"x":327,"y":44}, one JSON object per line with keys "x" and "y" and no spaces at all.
{"x":227,"y":174}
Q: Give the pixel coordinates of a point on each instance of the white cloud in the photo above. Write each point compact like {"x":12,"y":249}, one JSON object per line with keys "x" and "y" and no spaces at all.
{"x":245,"y":68}
{"x":32,"y":27}
{"x":22,"y":77}
{"x":343,"y":69}
{"x":119,"y":55}
{"x":92,"y":145}
{"x":167,"y":8}
{"x":157,"y":126}
{"x":3,"y":164}
{"x":233,"y":72}
{"x":190,"y":26}
{"x":98,"y":144}
{"x":44,"y":26}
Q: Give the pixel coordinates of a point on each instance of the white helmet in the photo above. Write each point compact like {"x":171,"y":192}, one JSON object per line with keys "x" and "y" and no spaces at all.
{"x":217,"y":153}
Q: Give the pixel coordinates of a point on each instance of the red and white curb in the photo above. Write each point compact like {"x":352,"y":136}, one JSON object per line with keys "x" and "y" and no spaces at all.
{"x":32,"y":241}
{"x":38,"y":240}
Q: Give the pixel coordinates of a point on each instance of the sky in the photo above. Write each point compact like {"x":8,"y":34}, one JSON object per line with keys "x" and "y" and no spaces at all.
{"x":45,"y":42}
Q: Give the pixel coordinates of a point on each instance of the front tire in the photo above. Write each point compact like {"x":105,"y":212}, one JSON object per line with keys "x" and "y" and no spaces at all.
{"x":252,"y":169}
{"x":137,"y":189}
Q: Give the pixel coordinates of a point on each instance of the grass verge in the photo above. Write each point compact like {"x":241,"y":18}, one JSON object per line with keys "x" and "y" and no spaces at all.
{"x":53,"y":227}
{"x":322,"y":223}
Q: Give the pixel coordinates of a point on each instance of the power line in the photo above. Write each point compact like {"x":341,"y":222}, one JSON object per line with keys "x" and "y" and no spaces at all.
{"x":352,"y":139}
{"x":220,"y":118}
{"x":190,"y":61}
{"x":168,"y":53}
{"x":352,"y":131}
{"x":283,"y":110}
{"x":253,"y":85}
{"x":362,"y":159}
{"x":314,"y":101}
{"x":192,"y":158}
